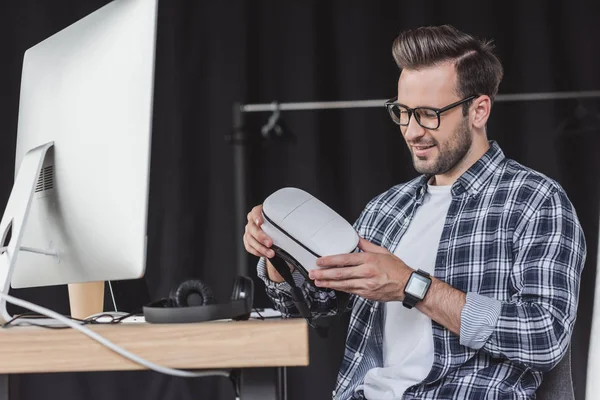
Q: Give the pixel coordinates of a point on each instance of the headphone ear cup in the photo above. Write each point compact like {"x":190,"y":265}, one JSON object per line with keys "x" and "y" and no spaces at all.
{"x":243,"y":288}
{"x":191,"y":293}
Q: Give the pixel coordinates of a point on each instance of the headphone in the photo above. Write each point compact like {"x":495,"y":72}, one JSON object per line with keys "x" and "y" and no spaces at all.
{"x":193,"y":301}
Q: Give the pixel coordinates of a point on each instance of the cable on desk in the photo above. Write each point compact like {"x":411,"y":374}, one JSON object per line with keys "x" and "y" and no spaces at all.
{"x":259,"y":314}
{"x":75,"y":324}
{"x":26,"y":318}
{"x":115,"y":318}
{"x":22,"y":319}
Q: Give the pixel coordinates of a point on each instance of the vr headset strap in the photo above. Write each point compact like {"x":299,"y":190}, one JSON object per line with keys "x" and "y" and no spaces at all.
{"x":343,"y":298}
{"x":298,"y":297}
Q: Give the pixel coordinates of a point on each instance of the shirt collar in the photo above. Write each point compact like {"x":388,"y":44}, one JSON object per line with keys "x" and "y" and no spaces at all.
{"x":475,"y":178}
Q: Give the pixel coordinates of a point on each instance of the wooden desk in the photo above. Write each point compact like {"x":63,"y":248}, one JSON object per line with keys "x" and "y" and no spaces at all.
{"x":254,"y":346}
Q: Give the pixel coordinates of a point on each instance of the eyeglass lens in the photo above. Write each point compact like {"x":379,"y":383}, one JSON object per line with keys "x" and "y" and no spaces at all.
{"x":425,"y":117}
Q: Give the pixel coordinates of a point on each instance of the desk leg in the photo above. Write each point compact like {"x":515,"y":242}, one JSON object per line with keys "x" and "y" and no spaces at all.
{"x":4,"y":392}
{"x":263,"y":384}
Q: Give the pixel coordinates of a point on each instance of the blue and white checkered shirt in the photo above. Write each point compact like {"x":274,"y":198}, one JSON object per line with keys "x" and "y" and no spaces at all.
{"x":512,"y":242}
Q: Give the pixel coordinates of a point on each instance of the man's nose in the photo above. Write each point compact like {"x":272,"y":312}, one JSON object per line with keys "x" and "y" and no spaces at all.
{"x":413,"y":131}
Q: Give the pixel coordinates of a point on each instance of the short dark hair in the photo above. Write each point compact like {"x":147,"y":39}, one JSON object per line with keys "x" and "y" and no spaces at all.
{"x":478,"y":69}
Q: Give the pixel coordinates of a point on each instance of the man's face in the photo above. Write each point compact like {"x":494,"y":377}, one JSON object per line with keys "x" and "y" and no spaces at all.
{"x":434,"y":151}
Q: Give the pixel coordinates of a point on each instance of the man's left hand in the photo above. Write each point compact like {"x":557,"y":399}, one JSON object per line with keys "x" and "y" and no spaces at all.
{"x":374,"y":274}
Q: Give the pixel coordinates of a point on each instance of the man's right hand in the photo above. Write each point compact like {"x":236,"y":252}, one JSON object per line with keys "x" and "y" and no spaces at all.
{"x":258,"y":243}
{"x":256,"y":240}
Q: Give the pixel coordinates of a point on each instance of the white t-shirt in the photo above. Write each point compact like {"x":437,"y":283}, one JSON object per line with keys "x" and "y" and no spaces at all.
{"x":407,"y":334}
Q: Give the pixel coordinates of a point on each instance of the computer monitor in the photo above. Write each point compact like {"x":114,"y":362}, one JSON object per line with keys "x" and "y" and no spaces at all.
{"x":78,"y":208}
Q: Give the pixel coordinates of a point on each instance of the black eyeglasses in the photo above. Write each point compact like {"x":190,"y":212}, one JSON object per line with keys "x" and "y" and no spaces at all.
{"x":427,"y":117}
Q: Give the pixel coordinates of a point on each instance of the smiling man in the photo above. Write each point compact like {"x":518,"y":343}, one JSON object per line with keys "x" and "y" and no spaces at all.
{"x":467,"y":283}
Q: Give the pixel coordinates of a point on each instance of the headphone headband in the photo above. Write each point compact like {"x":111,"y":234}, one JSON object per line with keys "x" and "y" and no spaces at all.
{"x":176,"y":315}
{"x":238,"y":308}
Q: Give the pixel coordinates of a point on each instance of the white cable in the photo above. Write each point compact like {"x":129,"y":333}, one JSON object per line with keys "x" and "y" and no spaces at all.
{"x":108,"y":343}
{"x":112,"y":295}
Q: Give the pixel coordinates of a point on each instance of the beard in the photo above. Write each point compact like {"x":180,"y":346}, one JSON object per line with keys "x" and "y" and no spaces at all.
{"x":449,"y":154}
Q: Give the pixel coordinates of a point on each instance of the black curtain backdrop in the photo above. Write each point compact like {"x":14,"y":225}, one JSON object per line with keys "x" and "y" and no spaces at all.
{"x":212,"y":53}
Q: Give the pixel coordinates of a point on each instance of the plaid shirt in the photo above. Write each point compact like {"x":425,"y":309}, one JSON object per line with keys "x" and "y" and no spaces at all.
{"x":512,"y":242}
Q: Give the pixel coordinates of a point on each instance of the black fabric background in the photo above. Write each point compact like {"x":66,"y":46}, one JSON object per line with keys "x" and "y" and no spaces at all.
{"x":211,"y":54}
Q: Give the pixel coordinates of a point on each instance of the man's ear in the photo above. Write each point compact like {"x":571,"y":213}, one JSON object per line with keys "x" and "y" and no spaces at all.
{"x":480,"y":111}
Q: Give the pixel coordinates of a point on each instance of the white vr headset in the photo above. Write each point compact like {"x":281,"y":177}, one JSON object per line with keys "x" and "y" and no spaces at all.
{"x":303,"y":229}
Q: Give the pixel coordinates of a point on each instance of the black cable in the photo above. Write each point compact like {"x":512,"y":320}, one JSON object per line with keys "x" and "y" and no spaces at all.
{"x":259,"y":314}
{"x":113,"y":319}
{"x":31,"y":315}
{"x":21,"y":319}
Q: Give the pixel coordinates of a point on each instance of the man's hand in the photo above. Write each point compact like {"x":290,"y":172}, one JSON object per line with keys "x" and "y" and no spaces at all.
{"x":255,"y":240}
{"x":375,"y":274}
{"x":259,"y":244}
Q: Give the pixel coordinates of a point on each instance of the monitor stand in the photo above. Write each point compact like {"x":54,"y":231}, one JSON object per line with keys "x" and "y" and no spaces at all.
{"x":84,"y":298}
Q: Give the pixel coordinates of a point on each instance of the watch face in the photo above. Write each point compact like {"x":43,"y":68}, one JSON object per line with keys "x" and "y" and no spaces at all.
{"x":417,"y":286}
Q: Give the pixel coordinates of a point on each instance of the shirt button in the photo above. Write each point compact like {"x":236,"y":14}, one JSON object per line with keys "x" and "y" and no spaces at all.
{"x":357,"y":355}
{"x":372,"y":309}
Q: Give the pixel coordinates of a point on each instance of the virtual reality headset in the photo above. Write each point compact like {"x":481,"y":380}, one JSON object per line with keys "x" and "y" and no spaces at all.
{"x":303,"y":229}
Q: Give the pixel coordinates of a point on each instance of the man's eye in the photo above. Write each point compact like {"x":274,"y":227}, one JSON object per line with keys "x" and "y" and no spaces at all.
{"x":424,"y":113}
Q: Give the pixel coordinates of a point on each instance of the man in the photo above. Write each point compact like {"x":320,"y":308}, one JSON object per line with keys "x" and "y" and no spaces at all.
{"x":499,"y":243}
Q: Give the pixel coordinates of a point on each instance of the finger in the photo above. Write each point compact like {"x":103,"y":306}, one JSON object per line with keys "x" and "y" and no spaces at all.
{"x":348,"y":285}
{"x":256,"y":215}
{"x":338,"y":273}
{"x":341,"y":260}
{"x":251,"y":249}
{"x":369,"y":247}
{"x":261,"y":249}
{"x":254,"y":219}
{"x":259,"y":235}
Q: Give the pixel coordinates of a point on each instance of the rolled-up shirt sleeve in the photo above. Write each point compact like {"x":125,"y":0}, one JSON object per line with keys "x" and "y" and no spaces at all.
{"x":534,"y":326}
{"x":478,"y":319}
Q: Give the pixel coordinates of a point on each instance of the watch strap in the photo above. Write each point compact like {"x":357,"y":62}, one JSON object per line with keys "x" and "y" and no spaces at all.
{"x":409,"y":301}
